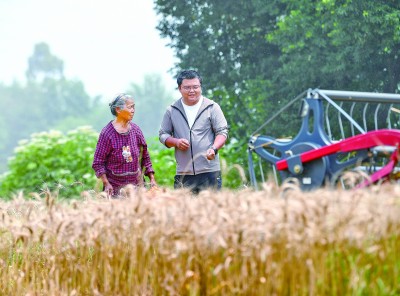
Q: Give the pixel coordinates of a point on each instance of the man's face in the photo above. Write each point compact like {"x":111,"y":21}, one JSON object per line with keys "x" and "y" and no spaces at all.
{"x":191,"y":91}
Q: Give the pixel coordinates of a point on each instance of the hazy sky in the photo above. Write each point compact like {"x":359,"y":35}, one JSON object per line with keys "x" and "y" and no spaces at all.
{"x":107,"y":44}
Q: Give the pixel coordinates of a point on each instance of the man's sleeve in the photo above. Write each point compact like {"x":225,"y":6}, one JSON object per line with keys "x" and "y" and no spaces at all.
{"x":166,"y":128}
{"x":219,"y":123}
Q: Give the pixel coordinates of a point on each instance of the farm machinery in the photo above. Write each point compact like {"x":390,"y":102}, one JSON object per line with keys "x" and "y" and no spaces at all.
{"x":340,"y":132}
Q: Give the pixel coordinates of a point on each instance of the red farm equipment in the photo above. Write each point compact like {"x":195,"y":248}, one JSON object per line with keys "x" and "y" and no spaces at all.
{"x":340,"y":131}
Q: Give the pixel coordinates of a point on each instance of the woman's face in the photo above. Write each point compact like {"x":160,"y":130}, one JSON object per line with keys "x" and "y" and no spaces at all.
{"x":126,"y":113}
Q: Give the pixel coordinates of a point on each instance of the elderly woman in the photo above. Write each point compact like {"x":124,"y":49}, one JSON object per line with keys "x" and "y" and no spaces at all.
{"x":121,"y":152}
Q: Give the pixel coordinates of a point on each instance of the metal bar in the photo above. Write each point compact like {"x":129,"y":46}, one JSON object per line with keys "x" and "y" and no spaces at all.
{"x":376,"y":116}
{"x":340,"y":121}
{"x":364,"y":116}
{"x":251,"y":170}
{"x":388,"y":117}
{"x":275,"y":175}
{"x":275,"y":172}
{"x":328,"y":125}
{"x":360,"y":96}
{"x":261,"y":170}
{"x":351,"y":114}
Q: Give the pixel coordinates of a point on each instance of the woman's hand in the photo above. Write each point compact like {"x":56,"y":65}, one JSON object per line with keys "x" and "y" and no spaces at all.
{"x":108,"y":189}
{"x":153,"y":182}
{"x":107,"y":186}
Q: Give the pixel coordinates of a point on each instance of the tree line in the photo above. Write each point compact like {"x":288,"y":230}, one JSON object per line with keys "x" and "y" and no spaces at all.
{"x":50,"y":101}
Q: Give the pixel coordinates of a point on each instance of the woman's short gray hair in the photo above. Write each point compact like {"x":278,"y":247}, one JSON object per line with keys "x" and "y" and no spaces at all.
{"x":119,"y":101}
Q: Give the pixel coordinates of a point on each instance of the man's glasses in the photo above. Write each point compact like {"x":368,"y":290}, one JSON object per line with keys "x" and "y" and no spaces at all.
{"x":188,"y":88}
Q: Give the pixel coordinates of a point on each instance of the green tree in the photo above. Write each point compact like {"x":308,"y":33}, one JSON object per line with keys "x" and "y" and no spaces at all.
{"x":54,"y":95}
{"x":225,"y":41}
{"x":47,"y":101}
{"x":347,"y":44}
{"x":43,"y":64}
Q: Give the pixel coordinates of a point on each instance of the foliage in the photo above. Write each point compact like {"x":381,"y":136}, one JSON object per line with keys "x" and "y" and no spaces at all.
{"x":224,"y":40}
{"x":233,"y":167}
{"x":348,"y":45}
{"x":163,"y":161}
{"x":43,"y":64}
{"x":52,"y":161}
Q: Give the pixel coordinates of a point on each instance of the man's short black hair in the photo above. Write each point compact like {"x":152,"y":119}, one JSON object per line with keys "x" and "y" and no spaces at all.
{"x":188,"y":74}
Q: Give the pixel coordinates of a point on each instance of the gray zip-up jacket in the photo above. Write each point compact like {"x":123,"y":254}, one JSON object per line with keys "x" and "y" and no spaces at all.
{"x":210,"y":122}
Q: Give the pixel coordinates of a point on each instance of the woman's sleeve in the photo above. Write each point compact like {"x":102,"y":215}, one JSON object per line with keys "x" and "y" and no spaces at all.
{"x":146,"y":161}
{"x":103,"y":148}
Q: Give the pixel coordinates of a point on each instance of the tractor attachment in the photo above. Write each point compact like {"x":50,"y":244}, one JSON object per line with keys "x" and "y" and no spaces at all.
{"x":340,"y":131}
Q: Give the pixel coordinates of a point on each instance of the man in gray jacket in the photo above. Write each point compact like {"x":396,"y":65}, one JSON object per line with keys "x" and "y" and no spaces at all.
{"x":197,"y":128}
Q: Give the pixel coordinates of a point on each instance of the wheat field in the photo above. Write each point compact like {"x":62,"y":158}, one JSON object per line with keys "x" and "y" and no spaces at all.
{"x":275,"y":241}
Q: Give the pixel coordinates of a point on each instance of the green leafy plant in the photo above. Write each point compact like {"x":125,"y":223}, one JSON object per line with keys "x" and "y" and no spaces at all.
{"x":61,"y":163}
{"x":233,"y":165}
{"x":163,"y":161}
{"x":52,"y":161}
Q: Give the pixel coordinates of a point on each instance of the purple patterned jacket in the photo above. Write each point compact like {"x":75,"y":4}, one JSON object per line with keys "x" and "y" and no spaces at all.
{"x":122,"y":156}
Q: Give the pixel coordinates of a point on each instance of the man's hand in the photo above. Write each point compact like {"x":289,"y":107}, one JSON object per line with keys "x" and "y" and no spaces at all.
{"x":182,"y":144}
{"x":210,"y":154}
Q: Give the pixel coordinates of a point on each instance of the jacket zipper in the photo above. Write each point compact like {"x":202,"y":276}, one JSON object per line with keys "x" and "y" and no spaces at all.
{"x":190,"y":132}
